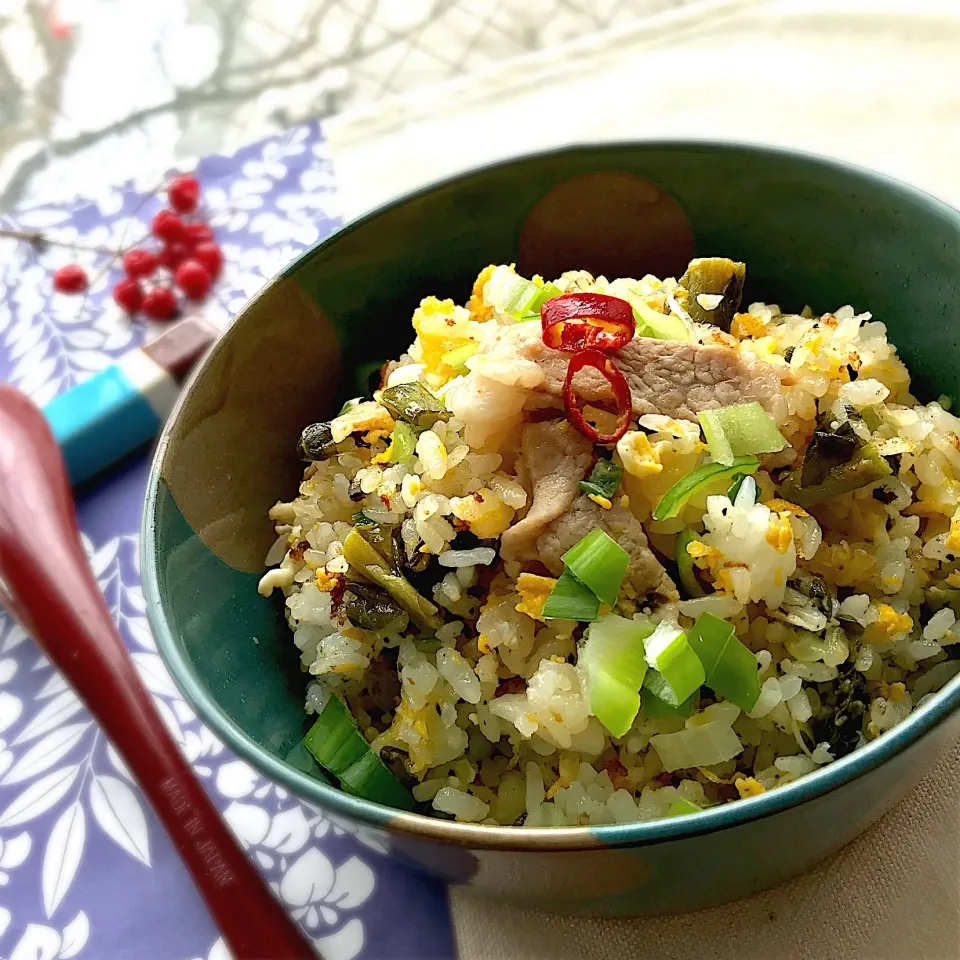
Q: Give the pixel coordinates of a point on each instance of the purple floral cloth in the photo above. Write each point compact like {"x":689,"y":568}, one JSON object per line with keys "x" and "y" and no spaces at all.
{"x":85,"y":869}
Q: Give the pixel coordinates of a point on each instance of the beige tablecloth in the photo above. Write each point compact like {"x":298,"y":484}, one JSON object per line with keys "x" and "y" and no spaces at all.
{"x":893,"y":894}
{"x":873,"y":81}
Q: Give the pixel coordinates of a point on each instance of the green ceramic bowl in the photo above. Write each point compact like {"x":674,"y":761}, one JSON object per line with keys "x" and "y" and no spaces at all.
{"x":810,"y":231}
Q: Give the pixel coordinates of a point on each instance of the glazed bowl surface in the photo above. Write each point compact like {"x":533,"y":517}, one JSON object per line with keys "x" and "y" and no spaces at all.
{"x":811,"y":231}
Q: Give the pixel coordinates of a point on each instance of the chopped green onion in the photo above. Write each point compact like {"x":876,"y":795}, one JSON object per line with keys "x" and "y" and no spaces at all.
{"x":681,"y":807}
{"x":657,"y":709}
{"x":678,"y":670}
{"x":547,"y":292}
{"x":404,"y":443}
{"x":652,"y":323}
{"x":730,"y":668}
{"x":612,"y":658}
{"x":703,"y":746}
{"x":570,"y":600}
{"x":341,"y":750}
{"x":362,"y":521}
{"x":458,"y":357}
{"x":676,"y":497}
{"x":734,"y":487}
{"x":688,"y":577}
{"x":414,"y":404}
{"x":600,"y":563}
{"x":739,"y":431}
{"x":510,"y":293}
{"x":604,"y":479}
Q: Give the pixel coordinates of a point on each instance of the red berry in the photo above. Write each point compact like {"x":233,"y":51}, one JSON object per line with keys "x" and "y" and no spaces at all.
{"x":210,"y":256}
{"x":198,"y":233}
{"x":160,"y":303}
{"x":140,"y":263}
{"x":172,"y":255}
{"x":167,"y":226}
{"x":70,"y":279}
{"x":129,"y":295}
{"x":193,"y":279}
{"x":183,"y":194}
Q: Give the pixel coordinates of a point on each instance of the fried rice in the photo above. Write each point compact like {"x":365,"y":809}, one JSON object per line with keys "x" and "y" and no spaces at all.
{"x":480,"y":704}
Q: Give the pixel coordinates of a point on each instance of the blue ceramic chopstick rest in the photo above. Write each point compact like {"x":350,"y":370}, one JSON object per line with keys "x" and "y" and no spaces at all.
{"x":121,"y":408}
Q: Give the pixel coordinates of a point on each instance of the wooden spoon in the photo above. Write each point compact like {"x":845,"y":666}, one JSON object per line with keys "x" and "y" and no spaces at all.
{"x":47,"y":584}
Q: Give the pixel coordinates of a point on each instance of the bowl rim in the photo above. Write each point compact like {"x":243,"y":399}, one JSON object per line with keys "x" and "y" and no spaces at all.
{"x":816,"y":784}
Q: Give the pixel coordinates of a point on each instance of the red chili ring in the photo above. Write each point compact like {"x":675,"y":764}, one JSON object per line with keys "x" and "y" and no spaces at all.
{"x":621,"y":392}
{"x":585,"y":321}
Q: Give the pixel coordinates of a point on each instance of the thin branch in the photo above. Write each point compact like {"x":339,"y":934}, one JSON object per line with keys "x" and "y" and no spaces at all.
{"x":191,"y":98}
{"x":307,"y":31}
{"x":39,"y":240}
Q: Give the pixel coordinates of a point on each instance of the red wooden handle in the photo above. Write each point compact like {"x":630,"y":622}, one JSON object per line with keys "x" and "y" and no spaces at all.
{"x":50,"y":588}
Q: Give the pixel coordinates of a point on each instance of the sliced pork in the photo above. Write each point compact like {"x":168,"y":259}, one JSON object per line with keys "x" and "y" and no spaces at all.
{"x":554,"y":458}
{"x":645,"y":576}
{"x":672,"y":377}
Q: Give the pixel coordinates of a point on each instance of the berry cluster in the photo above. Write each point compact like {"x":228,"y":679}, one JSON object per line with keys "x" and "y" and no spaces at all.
{"x":188,"y":254}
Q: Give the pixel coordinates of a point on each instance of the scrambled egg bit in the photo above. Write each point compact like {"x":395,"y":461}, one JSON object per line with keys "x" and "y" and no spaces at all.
{"x":953,"y":537}
{"x":479,"y":308}
{"x":441,"y":327}
{"x":326,"y":582}
{"x":749,"y":787}
{"x":779,"y":532}
{"x":639,"y":458}
{"x":484,"y":512}
{"x":888,"y":626}
{"x":533,"y":591}
{"x":746,"y":325}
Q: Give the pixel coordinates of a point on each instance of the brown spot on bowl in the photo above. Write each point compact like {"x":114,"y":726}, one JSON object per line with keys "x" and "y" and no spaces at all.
{"x":610,"y":222}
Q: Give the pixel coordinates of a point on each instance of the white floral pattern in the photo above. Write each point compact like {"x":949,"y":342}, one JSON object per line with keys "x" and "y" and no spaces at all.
{"x":80,"y":851}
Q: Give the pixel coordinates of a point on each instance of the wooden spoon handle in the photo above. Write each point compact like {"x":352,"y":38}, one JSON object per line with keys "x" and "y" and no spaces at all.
{"x":50,"y":588}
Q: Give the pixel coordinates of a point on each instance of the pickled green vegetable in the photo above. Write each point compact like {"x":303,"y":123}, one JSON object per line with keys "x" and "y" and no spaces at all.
{"x":369,"y":608}
{"x":866,"y":468}
{"x":365,"y":559}
{"x":714,"y":275}
{"x":829,"y":449}
{"x":414,"y":404}
{"x":316,"y":442}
